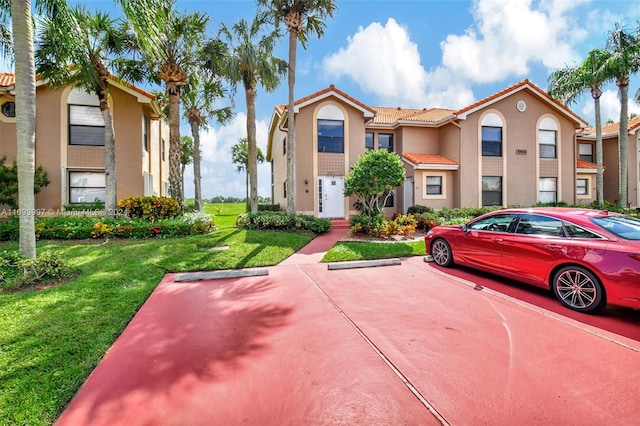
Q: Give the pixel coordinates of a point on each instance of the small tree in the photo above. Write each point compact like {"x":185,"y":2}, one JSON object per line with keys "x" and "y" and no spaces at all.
{"x":186,"y":156}
{"x":372,"y":180}
{"x":9,"y":182}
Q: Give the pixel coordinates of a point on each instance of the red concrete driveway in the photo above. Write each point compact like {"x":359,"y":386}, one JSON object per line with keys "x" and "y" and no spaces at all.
{"x":395,"y":345}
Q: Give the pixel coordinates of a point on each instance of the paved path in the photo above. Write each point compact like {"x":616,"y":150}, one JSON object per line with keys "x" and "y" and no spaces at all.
{"x":393,"y":345}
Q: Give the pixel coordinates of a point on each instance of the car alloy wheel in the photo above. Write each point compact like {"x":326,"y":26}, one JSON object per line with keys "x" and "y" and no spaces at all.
{"x":578,"y":289}
{"x":441,"y":252}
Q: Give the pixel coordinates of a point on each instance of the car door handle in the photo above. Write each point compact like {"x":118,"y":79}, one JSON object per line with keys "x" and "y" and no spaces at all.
{"x":554,"y":246}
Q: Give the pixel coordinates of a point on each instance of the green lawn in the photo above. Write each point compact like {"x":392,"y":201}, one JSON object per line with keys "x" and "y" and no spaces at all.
{"x":50,"y":340}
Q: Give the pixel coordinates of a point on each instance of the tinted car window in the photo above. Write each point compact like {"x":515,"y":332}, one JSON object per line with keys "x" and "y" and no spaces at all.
{"x":574,"y":231}
{"x":539,"y":225}
{"x":495,"y":223}
{"x":625,"y":227}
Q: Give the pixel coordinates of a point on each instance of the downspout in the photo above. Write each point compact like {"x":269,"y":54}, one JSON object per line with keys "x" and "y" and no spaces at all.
{"x":458,"y":180}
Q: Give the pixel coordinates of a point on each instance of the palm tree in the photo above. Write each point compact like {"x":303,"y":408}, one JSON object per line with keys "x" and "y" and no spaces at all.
{"x":199,"y":98}
{"x":251,"y":62}
{"x":170,"y":45}
{"x":102,"y":39}
{"x":186,"y":155}
{"x":25,"y":93}
{"x":624,"y":60}
{"x":569,"y":83}
{"x":240,"y":157}
{"x":301,"y":18}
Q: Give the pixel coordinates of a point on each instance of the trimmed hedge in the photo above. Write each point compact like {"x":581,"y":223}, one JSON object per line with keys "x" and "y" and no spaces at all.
{"x":283,"y":222}
{"x":150,"y":207}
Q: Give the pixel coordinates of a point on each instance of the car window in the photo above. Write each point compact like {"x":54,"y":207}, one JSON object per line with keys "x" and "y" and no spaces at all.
{"x":494,"y":223}
{"x":625,"y":227}
{"x":575,"y":231}
{"x":533,"y":224}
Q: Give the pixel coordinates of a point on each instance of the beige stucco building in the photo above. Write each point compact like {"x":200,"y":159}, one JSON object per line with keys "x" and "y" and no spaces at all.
{"x":70,"y":142}
{"x":517,"y":147}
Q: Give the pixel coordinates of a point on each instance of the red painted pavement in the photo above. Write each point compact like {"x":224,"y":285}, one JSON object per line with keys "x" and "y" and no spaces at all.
{"x":381,"y":346}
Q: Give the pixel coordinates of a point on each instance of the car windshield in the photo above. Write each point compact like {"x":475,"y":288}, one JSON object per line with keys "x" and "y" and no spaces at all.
{"x":626,"y":227}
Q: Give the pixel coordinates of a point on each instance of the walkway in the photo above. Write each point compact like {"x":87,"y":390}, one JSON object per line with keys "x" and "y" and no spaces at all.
{"x":399,"y":345}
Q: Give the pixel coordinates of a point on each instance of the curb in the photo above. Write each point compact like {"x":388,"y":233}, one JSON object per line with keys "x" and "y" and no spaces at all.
{"x":218,"y":275}
{"x":363,"y":263}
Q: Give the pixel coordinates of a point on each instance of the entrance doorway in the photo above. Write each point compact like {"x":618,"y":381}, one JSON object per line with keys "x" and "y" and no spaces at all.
{"x":331,"y":196}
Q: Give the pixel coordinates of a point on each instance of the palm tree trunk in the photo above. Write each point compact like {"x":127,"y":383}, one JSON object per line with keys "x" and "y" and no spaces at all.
{"x":252,"y":155}
{"x":175,"y":177}
{"x":623,"y":142}
{"x":196,"y":165}
{"x":599,"y":165}
{"x":110,"y":200}
{"x":291,"y":125}
{"x":25,"y":121}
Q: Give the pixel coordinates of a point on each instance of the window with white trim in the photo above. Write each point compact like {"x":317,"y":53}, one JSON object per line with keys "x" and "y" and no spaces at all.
{"x":586,"y":152}
{"x":434,"y":185}
{"x":582,"y":187}
{"x":86,"y":125}
{"x":547,"y":190}
{"x":491,"y":190}
{"x":548,"y":138}
{"x":86,"y":187}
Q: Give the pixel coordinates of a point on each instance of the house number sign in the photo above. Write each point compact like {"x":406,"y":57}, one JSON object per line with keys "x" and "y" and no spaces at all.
{"x":521,"y":152}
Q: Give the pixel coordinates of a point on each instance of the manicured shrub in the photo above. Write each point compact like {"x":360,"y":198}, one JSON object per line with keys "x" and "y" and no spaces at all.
{"x":269,"y":207}
{"x":283,"y":222}
{"x":418,"y":209}
{"x":17,"y":272}
{"x":151,"y":208}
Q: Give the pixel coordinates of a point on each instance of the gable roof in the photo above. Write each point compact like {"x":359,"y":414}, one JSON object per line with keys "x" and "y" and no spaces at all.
{"x":613,"y":129}
{"x":523,"y":85}
{"x":330,"y":91}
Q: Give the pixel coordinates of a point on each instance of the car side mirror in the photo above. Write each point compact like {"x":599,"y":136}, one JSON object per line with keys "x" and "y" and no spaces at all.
{"x":464,"y":228}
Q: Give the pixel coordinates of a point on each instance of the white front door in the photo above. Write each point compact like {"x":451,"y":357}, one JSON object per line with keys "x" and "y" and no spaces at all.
{"x":331,"y":196}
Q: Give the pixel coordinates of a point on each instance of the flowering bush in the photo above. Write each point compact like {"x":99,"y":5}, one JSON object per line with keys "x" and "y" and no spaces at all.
{"x":150,"y":207}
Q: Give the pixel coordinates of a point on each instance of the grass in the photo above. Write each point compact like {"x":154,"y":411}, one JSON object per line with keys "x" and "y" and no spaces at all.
{"x":50,"y":340}
{"x":345,"y":251}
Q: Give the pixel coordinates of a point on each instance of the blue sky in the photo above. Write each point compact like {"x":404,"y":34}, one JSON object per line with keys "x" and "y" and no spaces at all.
{"x":419,"y":53}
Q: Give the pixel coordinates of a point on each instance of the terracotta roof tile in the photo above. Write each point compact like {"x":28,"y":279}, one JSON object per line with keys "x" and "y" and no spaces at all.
{"x":333,"y":88}
{"x":7,"y":79}
{"x":586,"y":164}
{"x":515,"y":87}
{"x":432,"y":159}
{"x":614,"y":128}
{"x":385,"y":115}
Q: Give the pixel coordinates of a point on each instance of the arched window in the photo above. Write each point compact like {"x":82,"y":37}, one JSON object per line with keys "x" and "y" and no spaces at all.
{"x":492,"y":135}
{"x":330,"y":129}
{"x":9,"y":109}
{"x":548,"y":138}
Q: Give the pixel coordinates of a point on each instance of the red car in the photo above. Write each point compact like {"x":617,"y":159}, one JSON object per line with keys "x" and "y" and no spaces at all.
{"x":587,"y":257}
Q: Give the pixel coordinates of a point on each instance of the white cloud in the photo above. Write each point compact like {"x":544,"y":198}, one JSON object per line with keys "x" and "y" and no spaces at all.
{"x":609,"y":107}
{"x":510,"y":35}
{"x":219,"y":174}
{"x":384,"y":61}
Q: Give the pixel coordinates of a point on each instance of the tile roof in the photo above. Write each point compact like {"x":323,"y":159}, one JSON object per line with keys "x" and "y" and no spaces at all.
{"x":514,"y":88}
{"x":586,"y":164}
{"x":614,"y":128}
{"x":329,"y":89}
{"x":390,"y":116}
{"x":7,"y":79}
{"x":430,"y":159}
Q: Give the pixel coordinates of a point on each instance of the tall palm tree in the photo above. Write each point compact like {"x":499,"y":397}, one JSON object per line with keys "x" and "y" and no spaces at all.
{"x":567,"y":84}
{"x":25,"y":89}
{"x":251,"y":63}
{"x":170,"y":46}
{"x":623,"y":61}
{"x":240,"y":157}
{"x":101,"y":39}
{"x":199,"y":99}
{"x":301,"y":18}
